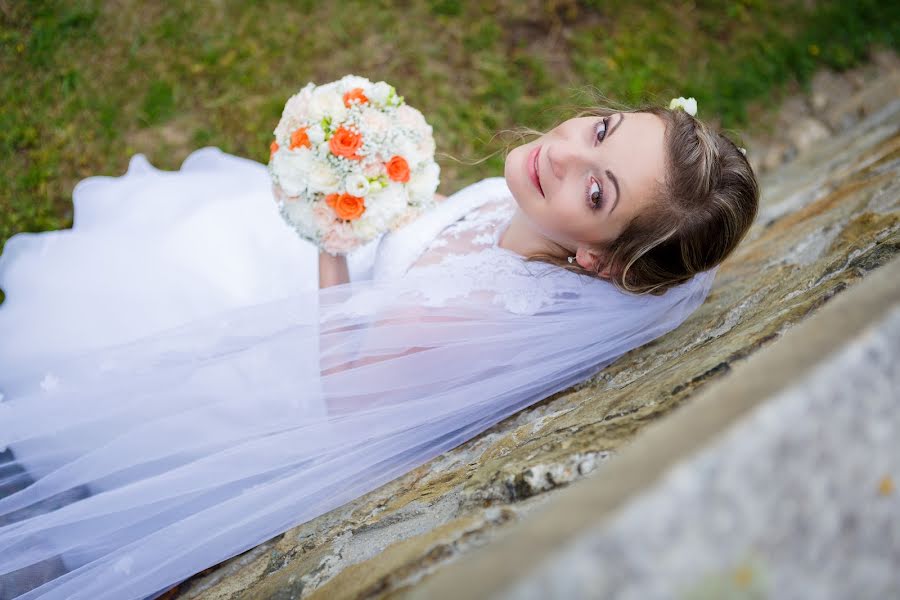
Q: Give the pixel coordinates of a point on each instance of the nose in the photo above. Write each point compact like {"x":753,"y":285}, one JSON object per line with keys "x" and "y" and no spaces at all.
{"x":562,"y":156}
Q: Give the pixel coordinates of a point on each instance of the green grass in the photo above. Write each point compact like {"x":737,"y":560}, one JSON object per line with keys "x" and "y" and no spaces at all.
{"x":86,"y":84}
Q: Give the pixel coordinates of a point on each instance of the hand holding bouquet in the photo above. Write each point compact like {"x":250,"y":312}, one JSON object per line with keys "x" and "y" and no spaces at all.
{"x":351,"y":160}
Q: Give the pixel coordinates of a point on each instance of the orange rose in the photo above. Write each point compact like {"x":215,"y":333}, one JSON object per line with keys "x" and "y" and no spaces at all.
{"x":273,"y":148}
{"x":355,"y":94}
{"x":299,"y":138}
{"x":346,"y":206}
{"x":345,"y":142}
{"x":398,"y":169}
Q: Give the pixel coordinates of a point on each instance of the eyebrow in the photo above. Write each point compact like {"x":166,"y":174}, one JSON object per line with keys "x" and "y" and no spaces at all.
{"x":616,"y":184}
{"x":609,"y":173}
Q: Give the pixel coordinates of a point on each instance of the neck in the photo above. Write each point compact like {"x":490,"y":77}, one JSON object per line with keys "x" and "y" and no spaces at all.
{"x":523,"y":238}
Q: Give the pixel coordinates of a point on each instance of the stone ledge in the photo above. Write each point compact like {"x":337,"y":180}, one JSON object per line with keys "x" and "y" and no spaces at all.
{"x":827,"y":221}
{"x":589,"y":538}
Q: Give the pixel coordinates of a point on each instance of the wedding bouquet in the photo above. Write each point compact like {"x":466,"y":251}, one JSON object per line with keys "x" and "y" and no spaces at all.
{"x":350,"y":160}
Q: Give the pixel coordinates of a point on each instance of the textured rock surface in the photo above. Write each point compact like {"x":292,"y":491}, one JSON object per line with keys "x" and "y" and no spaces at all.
{"x":797,"y":500}
{"x":827,"y":219}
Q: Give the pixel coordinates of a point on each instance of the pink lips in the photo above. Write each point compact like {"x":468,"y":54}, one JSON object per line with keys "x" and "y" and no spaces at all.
{"x":533,"y":169}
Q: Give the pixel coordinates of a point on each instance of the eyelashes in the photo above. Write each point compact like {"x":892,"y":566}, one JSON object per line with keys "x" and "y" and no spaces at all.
{"x":605,"y":122}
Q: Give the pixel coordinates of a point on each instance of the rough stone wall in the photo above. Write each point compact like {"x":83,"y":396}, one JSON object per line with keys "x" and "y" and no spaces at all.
{"x":827,"y":219}
{"x":795,"y":500}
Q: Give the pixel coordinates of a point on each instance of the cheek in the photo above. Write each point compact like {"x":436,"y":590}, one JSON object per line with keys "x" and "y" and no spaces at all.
{"x":571,"y":219}
{"x":561,"y":218}
{"x":567,"y":210}
{"x":516,"y":178}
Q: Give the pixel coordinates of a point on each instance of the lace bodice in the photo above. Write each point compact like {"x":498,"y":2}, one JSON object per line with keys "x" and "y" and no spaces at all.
{"x":477,"y":231}
{"x":454,"y":251}
{"x":465,"y":222}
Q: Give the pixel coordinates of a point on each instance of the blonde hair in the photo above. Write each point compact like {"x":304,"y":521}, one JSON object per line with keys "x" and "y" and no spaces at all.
{"x":698,"y":215}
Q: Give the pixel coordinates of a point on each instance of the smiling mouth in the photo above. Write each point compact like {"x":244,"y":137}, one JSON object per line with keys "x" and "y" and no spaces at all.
{"x":535,"y":173}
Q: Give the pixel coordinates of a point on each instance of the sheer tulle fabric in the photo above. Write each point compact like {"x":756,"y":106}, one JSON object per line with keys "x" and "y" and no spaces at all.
{"x":149,"y":250}
{"x":201,"y":441}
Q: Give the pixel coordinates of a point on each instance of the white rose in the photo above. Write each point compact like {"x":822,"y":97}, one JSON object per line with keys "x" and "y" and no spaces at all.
{"x":425,"y":147}
{"x":316,"y":134}
{"x":356,"y":185}
{"x":382,"y":208}
{"x":322,"y":177}
{"x":330,"y":87}
{"x":300,"y":215}
{"x":296,"y":106}
{"x":364,"y":228}
{"x":379,"y":93}
{"x":410,"y":117}
{"x":374,"y":123}
{"x":407,"y":149}
{"x":348,"y":82}
{"x":423,"y":184}
{"x":294,"y":114}
{"x":292,"y":169}
{"x":326,"y":103}
{"x":283,"y":130}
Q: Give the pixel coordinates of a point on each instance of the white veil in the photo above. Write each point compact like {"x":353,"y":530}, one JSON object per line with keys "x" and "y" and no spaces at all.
{"x":191,"y":446}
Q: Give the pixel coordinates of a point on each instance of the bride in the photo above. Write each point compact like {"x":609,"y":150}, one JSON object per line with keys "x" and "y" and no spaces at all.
{"x":178,"y":388}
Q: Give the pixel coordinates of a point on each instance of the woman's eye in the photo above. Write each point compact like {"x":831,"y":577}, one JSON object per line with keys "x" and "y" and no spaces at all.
{"x":595,"y":191}
{"x":598,"y":129}
{"x":595,"y":195}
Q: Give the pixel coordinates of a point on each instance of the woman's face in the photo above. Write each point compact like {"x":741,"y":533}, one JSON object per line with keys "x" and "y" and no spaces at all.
{"x":592,"y":176}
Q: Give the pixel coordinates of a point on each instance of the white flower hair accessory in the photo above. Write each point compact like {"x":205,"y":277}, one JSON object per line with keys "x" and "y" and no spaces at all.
{"x":688,"y":105}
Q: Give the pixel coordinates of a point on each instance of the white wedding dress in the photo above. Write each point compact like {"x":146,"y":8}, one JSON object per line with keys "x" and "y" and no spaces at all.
{"x":176,"y":389}
{"x":154,"y":249}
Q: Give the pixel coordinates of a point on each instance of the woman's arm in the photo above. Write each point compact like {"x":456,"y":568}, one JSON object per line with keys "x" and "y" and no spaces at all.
{"x":332,"y":270}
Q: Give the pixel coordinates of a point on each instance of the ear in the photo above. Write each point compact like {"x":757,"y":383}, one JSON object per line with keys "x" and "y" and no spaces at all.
{"x":593,"y":260}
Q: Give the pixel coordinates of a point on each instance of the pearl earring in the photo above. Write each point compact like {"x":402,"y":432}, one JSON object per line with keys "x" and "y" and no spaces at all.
{"x":571,"y":259}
